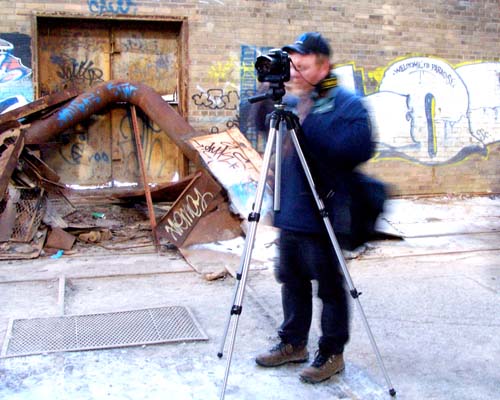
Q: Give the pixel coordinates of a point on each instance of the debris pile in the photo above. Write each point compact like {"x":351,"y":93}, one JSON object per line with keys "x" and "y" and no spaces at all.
{"x":39,"y":215}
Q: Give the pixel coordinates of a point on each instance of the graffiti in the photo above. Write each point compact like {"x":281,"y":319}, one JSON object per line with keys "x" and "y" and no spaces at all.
{"x":191,"y":210}
{"x":430,"y":112}
{"x":124,"y":91}
{"x":86,"y":102}
{"x":133,"y":43}
{"x":216,"y":99}
{"x":100,"y":157}
{"x":113,"y":7}
{"x":77,"y":107}
{"x":73,"y":153}
{"x":76,"y":152}
{"x":236,"y":165}
{"x":16,"y":88}
{"x":151,"y":140}
{"x":225,"y":152}
{"x":422,"y":108}
{"x":232,"y":123}
{"x":71,"y":41}
{"x":11,"y":68}
{"x":223,"y":71}
{"x":70,"y":70}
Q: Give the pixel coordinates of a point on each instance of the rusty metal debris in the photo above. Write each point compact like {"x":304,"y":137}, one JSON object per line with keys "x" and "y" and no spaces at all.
{"x":96,"y":236}
{"x":193,"y":203}
{"x":30,"y":189}
{"x":8,"y":213}
{"x":11,"y":145}
{"x":145,"y":184}
{"x":168,"y":191}
{"x":30,"y":208}
{"x":100,"y":96}
{"x":40,"y":108}
{"x":60,"y":239}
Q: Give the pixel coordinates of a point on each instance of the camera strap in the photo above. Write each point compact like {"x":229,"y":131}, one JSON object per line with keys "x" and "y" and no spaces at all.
{"x":326,"y":84}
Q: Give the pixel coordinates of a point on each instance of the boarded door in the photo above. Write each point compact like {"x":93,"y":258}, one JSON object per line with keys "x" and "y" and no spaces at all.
{"x":84,"y":53}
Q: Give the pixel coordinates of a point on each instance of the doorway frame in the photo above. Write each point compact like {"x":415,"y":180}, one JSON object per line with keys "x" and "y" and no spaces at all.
{"x":183,"y":81}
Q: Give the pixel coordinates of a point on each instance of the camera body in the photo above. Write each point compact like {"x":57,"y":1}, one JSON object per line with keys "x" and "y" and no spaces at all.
{"x":273,"y":67}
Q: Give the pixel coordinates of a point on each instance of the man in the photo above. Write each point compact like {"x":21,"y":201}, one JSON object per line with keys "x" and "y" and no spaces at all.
{"x":336,"y":138}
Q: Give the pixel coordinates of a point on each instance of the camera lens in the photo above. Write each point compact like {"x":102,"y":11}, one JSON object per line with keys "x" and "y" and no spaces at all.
{"x":274,"y":67}
{"x":263,"y":65}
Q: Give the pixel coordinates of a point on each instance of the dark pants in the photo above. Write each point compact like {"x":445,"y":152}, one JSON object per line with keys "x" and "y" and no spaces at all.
{"x":306,"y":257}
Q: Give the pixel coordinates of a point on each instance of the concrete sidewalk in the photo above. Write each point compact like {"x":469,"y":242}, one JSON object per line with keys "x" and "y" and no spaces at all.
{"x":431,"y":301}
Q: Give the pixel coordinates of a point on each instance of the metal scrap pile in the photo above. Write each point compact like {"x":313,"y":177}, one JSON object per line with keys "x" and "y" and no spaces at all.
{"x":26,"y":182}
{"x":35,"y":209}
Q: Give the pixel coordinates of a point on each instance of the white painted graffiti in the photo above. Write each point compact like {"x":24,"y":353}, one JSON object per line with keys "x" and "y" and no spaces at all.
{"x":423,"y":108}
{"x":430,"y":112}
{"x":183,"y":218}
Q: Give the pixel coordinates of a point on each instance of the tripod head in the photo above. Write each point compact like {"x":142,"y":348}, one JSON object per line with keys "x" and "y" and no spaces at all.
{"x":275,"y":92}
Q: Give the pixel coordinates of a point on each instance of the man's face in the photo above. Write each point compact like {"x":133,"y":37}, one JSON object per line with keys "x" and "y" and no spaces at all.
{"x":305,"y":72}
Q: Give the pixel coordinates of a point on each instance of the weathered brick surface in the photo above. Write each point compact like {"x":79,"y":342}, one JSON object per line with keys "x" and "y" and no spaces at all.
{"x":370,"y":35}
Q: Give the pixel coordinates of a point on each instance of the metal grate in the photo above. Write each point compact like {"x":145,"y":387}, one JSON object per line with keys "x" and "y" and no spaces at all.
{"x":29,"y":213}
{"x":99,"y":331}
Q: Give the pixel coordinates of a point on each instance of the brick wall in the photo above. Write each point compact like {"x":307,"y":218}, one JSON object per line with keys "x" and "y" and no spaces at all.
{"x":429,"y":72}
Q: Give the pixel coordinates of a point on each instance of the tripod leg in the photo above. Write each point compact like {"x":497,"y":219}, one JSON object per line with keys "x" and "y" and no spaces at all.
{"x":338,"y":251}
{"x":242,"y":274}
{"x":277,"y":169}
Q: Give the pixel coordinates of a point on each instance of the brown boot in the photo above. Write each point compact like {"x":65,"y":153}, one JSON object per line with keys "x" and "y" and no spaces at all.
{"x":281,"y":354}
{"x":323,"y":368}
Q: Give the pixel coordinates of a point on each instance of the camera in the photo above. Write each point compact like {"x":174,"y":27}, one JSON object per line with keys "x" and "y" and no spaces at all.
{"x":273,"y":67}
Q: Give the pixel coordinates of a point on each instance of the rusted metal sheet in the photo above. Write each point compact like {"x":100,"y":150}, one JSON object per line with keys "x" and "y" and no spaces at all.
{"x":169,"y":191}
{"x":192,"y":204}
{"x":7,"y":125}
{"x":60,"y":239}
{"x":98,"y":97}
{"x":217,"y":225}
{"x":40,"y":170}
{"x":43,"y":104}
{"x":11,"y":146}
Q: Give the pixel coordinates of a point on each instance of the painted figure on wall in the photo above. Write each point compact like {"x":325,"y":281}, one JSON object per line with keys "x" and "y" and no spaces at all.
{"x":16,"y":88}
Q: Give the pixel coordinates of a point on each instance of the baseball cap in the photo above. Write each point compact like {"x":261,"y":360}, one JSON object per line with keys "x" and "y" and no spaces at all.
{"x":309,"y":43}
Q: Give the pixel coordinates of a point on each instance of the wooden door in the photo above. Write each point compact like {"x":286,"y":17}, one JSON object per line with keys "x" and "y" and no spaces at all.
{"x":101,"y":152}
{"x":150,"y":57}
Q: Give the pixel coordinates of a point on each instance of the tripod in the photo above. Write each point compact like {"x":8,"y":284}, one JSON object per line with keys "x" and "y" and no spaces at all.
{"x":280,"y":118}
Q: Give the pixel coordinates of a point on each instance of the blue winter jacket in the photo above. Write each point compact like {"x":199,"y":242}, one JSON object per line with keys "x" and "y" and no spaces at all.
{"x":336,"y":137}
